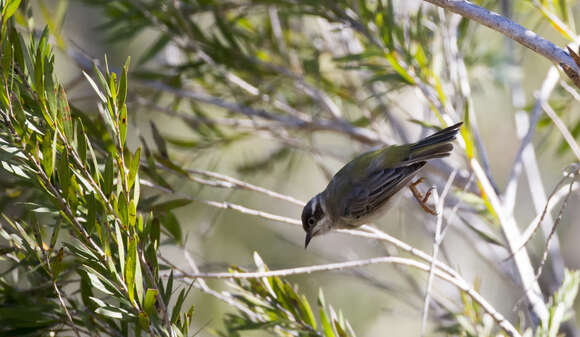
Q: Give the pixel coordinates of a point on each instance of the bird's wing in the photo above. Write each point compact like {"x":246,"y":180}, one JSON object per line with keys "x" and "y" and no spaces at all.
{"x":371,"y":193}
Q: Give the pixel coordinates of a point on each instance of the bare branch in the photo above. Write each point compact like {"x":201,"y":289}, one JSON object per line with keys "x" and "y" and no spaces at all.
{"x":233,"y":182}
{"x":557,"y":194}
{"x":515,"y":32}
{"x":556,"y":222}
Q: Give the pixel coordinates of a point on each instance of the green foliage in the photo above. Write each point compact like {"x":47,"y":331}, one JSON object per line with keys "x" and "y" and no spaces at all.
{"x":82,"y":227}
{"x":275,"y":305}
{"x":472,"y":321}
{"x":561,"y":305}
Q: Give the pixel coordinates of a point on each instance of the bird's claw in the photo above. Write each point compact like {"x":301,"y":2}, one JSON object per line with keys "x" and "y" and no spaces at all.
{"x":422,"y":199}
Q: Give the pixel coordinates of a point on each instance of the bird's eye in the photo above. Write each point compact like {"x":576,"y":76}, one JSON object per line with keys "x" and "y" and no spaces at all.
{"x":311,"y":221}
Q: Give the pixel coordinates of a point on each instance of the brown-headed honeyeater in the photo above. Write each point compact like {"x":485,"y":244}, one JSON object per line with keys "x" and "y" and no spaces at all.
{"x":361,"y":190}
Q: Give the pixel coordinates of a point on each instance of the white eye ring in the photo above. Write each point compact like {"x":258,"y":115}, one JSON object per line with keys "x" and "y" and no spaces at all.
{"x":311,"y":221}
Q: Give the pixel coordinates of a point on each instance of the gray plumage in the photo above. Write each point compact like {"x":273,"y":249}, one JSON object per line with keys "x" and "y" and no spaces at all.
{"x":362,"y":189}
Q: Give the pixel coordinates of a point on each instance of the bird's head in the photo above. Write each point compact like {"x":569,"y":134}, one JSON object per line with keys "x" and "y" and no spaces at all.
{"x":314,"y":220}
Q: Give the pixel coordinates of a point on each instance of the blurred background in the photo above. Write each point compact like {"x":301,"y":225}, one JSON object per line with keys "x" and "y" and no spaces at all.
{"x":311,"y":61}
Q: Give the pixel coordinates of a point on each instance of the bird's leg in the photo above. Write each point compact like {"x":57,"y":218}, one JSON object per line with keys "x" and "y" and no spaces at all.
{"x":422,"y":199}
{"x":428,"y":194}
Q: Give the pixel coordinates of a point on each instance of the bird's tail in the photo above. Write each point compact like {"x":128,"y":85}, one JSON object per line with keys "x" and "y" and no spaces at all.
{"x":438,"y":145}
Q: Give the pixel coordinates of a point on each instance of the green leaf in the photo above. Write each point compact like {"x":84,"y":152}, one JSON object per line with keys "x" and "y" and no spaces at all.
{"x":131,"y":268}
{"x":144,"y":320}
{"x":123,"y":210}
{"x":108,"y":176}
{"x":562,"y":303}
{"x":49,"y":145}
{"x":10,"y":8}
{"x":150,"y":299}
{"x":134,"y":167}
{"x":98,"y":284}
{"x":155,"y":233}
{"x":170,"y":205}
{"x":110,"y":312}
{"x":157,"y":46}
{"x":325,"y":322}
{"x":123,"y":124}
{"x":123,"y":84}
{"x":56,"y":263}
{"x":170,"y":222}
{"x":136,"y":190}
{"x":102,"y":81}
{"x":392,"y":59}
{"x":132,"y":213}
{"x":178,"y":304}
{"x":81,"y":142}
{"x":138,"y":278}
{"x":484,"y":234}
{"x":54,"y":236}
{"x":159,"y":141}
{"x":64,"y":173}
{"x":339,"y":330}
{"x":113,"y":87}
{"x":91,"y":212}
{"x":168,"y":288}
{"x":307,"y":313}
{"x":86,"y":290}
{"x":120,"y":247}
{"x":466,"y":134}
{"x":95,"y":88}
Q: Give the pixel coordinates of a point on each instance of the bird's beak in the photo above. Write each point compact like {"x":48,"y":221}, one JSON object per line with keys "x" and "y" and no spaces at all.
{"x":308,"y":238}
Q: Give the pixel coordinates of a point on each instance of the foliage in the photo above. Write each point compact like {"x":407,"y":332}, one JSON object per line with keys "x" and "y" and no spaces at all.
{"x":81,"y":257}
{"x":279,"y":308}
{"x":561,"y":304}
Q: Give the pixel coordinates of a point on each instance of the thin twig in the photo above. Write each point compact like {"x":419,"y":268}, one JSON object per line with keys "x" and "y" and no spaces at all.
{"x":554,"y":197}
{"x":247,"y":186}
{"x":556,"y":222}
{"x":437,"y":240}
{"x":249,"y":211}
{"x":59,"y":294}
{"x":562,"y":128}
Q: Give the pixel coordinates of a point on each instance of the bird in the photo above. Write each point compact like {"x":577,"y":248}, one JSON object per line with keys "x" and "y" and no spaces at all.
{"x":362,"y":190}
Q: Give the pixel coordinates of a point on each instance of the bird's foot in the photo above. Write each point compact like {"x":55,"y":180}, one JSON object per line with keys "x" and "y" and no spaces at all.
{"x":422,"y":199}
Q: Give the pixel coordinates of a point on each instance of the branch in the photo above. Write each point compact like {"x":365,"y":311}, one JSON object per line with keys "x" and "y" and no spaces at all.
{"x":512,"y":234}
{"x":289,"y":121}
{"x":364,"y":231}
{"x":437,"y":240}
{"x":456,"y":281}
{"x":514,"y":31}
{"x":562,"y":128}
{"x":558,"y":193}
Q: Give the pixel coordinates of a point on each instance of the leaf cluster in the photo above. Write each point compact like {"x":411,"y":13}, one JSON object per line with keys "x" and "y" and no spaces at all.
{"x":79,"y":226}
{"x":278,"y":307}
